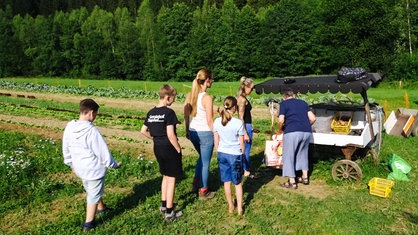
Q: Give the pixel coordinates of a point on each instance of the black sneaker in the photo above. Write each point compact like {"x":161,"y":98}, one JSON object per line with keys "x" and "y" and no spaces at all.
{"x":172,"y":216}
{"x":88,"y":226}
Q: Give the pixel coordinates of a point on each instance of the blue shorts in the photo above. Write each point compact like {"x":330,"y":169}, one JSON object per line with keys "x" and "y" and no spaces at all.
{"x":94,"y":190}
{"x":230,"y":167}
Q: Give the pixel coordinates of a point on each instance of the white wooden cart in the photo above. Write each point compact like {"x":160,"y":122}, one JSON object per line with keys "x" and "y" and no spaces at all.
{"x":364,"y":131}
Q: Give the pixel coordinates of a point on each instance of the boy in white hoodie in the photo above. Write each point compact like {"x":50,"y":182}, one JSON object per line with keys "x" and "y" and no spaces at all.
{"x":86,"y":152}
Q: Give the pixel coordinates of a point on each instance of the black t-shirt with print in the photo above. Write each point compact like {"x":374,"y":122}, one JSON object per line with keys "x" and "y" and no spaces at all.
{"x":158,"y":118}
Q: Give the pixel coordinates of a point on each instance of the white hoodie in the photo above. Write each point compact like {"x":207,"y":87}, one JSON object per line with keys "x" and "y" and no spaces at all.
{"x":86,"y":151}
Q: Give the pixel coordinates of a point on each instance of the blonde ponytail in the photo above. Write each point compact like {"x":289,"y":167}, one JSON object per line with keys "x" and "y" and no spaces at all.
{"x":200,"y":79}
{"x":244,"y":82}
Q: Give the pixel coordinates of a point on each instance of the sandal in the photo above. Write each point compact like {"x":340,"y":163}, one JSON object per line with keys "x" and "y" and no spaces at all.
{"x":287,"y":184}
{"x":304,"y":181}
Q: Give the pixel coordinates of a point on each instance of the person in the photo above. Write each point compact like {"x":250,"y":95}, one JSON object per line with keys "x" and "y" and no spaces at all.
{"x":86,"y":152}
{"x":244,"y":113}
{"x":295,"y":119}
{"x":160,"y":126}
{"x":229,"y":143}
{"x":198,"y":118}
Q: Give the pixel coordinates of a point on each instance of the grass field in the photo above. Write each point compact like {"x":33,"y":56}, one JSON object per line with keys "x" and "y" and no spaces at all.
{"x":39,"y":195}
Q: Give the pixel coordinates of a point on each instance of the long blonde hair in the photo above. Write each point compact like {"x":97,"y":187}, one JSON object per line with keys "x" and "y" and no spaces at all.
{"x":229,"y":103}
{"x":245,"y":82}
{"x":200,"y":79}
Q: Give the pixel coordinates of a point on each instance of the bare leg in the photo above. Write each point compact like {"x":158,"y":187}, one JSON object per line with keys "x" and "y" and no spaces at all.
{"x":170,"y":183}
{"x":228,"y":195}
{"x":91,"y":212}
{"x":239,"y":195}
{"x":304,"y":174}
{"x":101,"y":205}
{"x":164,"y":189}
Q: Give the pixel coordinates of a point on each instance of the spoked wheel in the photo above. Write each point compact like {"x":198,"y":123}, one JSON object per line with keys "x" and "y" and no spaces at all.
{"x":347,"y":170}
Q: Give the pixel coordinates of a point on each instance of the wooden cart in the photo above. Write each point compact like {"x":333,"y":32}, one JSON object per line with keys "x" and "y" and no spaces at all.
{"x":364,"y":130}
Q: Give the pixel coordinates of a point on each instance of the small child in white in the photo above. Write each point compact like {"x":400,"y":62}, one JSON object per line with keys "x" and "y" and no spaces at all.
{"x":86,"y":152}
{"x":229,"y":143}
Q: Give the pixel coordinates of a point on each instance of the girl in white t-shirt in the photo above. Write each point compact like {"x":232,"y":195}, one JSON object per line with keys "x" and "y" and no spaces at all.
{"x":229,"y":143}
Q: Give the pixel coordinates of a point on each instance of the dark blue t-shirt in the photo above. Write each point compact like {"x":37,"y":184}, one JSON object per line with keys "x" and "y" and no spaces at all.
{"x":295,"y":113}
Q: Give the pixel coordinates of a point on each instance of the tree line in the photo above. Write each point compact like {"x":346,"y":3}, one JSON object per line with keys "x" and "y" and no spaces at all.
{"x":171,"y":40}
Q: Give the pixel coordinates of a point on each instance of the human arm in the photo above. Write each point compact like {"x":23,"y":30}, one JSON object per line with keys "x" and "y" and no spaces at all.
{"x":65,"y":150}
{"x":186,"y":114}
{"x":171,"y":134}
{"x":101,"y":150}
{"x":280,"y":123}
{"x":241,"y":110}
{"x":241,"y":143}
{"x":145,"y":132}
{"x":207,"y":103}
{"x":215,"y":140}
{"x":312,"y":117}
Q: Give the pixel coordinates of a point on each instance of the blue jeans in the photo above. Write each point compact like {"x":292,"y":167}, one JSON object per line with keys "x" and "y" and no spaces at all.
{"x":203,"y":143}
{"x":248,"y":145}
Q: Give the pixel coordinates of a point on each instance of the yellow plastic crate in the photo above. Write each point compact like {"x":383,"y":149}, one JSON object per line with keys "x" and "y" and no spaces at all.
{"x":341,"y":122}
{"x":380,"y":187}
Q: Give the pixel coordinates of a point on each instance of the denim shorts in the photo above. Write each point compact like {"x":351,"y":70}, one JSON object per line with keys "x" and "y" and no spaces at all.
{"x":94,"y":190}
{"x":230,"y":167}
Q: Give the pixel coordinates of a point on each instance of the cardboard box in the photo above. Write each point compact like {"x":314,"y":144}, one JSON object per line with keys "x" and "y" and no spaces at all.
{"x":403,"y":122}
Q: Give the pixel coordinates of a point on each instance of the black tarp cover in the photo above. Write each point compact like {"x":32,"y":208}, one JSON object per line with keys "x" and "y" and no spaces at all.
{"x":314,"y":84}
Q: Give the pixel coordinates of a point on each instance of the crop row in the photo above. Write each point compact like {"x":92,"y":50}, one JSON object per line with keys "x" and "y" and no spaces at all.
{"x":127,"y":122}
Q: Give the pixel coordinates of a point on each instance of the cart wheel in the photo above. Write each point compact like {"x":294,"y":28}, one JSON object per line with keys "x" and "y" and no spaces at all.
{"x":347,"y":170}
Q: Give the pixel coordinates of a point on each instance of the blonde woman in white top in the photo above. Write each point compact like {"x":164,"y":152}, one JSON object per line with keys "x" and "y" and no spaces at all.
{"x":198,"y":118}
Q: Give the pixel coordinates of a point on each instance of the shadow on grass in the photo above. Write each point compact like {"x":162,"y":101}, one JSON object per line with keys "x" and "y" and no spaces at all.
{"x":263,"y":176}
{"x":411,"y":217}
{"x":140,"y":192}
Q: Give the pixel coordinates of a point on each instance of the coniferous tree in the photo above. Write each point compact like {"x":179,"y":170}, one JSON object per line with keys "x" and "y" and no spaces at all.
{"x":145,"y":22}
{"x":174,"y":27}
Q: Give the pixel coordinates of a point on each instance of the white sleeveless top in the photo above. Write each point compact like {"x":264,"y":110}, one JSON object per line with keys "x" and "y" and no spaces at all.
{"x":199,"y":122}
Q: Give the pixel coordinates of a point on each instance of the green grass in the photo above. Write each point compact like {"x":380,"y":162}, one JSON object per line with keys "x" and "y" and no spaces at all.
{"x":47,"y":204}
{"x":42,"y":197}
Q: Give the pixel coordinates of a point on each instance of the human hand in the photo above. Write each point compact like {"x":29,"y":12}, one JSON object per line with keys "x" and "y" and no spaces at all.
{"x":119,"y":165}
{"x":246,"y":137}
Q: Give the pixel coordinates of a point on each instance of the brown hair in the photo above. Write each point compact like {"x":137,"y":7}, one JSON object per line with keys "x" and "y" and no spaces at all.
{"x":200,"y":79}
{"x":88,"y":104}
{"x":229,"y":103}
{"x":168,"y":90}
{"x":287,"y":92}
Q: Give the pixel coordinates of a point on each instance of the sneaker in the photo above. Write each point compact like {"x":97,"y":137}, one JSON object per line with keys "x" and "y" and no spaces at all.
{"x":206,"y":195}
{"x":163,"y":209}
{"x":172,"y":216}
{"x":88,"y":226}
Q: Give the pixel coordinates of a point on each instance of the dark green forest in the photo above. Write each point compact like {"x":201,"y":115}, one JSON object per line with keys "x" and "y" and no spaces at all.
{"x":163,"y":40}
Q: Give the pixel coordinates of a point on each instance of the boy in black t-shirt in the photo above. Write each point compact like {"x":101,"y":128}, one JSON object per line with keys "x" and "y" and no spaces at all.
{"x":160,"y":126}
